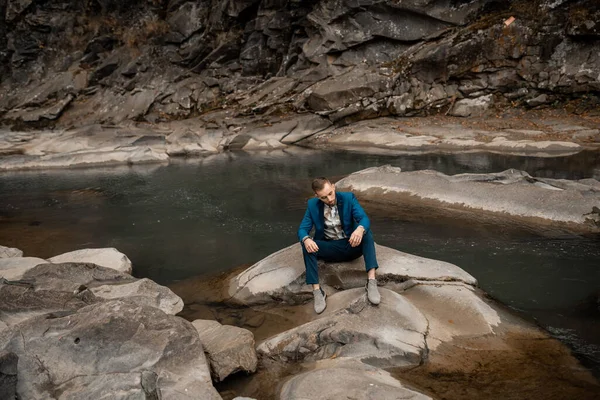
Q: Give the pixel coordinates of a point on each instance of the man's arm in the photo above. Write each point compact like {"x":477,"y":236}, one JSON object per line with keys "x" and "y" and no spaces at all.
{"x":359,"y":214}
{"x":305,"y":226}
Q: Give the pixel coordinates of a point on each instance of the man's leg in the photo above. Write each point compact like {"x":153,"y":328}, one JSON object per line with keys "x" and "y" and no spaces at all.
{"x":368,"y":250}
{"x":330,"y":250}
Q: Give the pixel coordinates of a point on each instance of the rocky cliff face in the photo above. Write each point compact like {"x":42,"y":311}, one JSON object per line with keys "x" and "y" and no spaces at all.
{"x":72,"y":63}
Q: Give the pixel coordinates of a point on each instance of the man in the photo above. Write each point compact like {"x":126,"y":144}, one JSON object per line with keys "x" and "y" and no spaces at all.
{"x":341,"y":234}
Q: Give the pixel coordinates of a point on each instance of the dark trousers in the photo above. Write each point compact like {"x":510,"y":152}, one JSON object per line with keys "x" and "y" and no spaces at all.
{"x":338,"y":251}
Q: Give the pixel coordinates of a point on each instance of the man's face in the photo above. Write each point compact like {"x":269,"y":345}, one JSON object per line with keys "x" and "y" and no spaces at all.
{"x":327,"y":194}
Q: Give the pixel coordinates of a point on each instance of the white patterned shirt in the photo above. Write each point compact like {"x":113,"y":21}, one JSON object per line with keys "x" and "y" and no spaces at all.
{"x":333,"y":224}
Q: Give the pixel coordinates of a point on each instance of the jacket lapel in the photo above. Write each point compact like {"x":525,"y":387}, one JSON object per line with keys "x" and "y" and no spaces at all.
{"x":340,"y":207}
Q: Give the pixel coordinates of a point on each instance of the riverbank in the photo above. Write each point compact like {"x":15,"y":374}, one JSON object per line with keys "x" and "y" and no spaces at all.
{"x":541,"y":133}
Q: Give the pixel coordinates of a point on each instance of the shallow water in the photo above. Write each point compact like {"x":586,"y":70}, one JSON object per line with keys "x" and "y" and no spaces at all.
{"x":209,"y":215}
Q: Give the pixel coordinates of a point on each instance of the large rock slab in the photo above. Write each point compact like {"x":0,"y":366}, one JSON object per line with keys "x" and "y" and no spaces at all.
{"x":90,"y":158}
{"x":115,"y":349}
{"x":391,"y":334}
{"x":106,"y":257}
{"x":70,"y":286}
{"x":229,"y":349}
{"x":143,"y":292}
{"x":15,"y":268}
{"x":570,"y":205}
{"x":346,"y":378}
{"x":49,"y":288}
{"x":10,"y":252}
{"x":453,"y":311}
{"x":348,"y":88}
{"x":282,"y":275}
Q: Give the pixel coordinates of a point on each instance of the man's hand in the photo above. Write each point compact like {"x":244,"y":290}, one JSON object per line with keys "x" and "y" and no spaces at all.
{"x":356,"y":236}
{"x":311,"y":246}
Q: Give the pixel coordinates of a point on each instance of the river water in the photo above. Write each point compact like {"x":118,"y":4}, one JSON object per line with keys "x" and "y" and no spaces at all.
{"x":203,"y":216}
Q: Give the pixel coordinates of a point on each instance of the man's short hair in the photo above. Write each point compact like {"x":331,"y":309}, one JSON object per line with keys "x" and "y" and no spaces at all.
{"x":319,"y":183}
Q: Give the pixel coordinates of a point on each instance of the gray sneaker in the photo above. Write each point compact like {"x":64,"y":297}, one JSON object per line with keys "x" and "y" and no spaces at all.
{"x":320,"y":297}
{"x":372,"y":292}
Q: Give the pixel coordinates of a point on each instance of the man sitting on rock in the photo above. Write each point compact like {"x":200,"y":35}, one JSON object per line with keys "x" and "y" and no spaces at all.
{"x":341,"y":234}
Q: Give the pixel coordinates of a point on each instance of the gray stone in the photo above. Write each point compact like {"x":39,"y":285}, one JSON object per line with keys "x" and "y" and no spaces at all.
{"x":471,"y":107}
{"x":345,"y":89}
{"x":142,"y":292}
{"x":187,"y":20}
{"x":15,"y":268}
{"x":453,"y":312}
{"x":538,"y":101}
{"x":588,"y":135}
{"x":346,"y":378}
{"x":388,"y":335}
{"x":280,"y":276}
{"x":400,"y":105}
{"x":15,"y":7}
{"x":104,"y":257}
{"x":132,"y":155}
{"x":229,"y":349}
{"x":8,"y":375}
{"x":308,"y":125}
{"x":510,"y":193}
{"x":106,"y":349}
{"x":48,"y":112}
{"x":10,"y":252}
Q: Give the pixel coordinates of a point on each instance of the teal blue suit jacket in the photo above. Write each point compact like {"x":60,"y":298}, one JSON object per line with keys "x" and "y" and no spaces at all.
{"x":351,"y":216}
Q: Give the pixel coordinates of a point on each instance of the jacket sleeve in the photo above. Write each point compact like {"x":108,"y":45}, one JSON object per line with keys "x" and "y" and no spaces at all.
{"x":359,"y":215}
{"x":305,"y":226}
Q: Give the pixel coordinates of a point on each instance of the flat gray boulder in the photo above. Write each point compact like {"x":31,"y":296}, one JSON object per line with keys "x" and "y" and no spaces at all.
{"x":453,"y":312}
{"x":346,"y":379}
{"x":15,"y":268}
{"x":106,"y":257}
{"x":46,"y":288}
{"x":229,"y":349}
{"x":10,"y":252}
{"x":87,"y":158}
{"x":511,"y":194}
{"x":282,"y":275}
{"x":143,"y":291}
{"x":389,"y":335}
{"x":113,"y":349}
